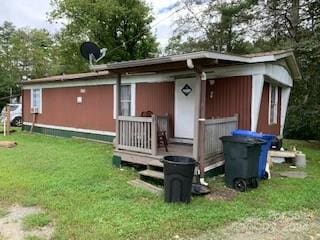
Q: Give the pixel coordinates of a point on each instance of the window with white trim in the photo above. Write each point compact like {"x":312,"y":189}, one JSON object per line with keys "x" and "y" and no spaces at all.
{"x":36,"y":100}
{"x":127,"y":100}
{"x":273,"y":104}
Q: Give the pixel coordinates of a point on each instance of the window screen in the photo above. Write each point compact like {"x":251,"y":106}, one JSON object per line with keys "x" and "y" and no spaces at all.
{"x":125,"y":100}
{"x":273,"y":104}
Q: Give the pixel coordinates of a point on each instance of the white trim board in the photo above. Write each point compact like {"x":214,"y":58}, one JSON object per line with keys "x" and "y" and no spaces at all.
{"x":277,"y":72}
{"x":107,"y":81}
{"x":71,"y":129}
{"x":285,"y":94}
{"x":256,"y":95}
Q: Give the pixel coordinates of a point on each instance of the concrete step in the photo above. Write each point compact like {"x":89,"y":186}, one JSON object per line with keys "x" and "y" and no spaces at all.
{"x":147,"y":186}
{"x":152,"y":174}
{"x":155,"y":163}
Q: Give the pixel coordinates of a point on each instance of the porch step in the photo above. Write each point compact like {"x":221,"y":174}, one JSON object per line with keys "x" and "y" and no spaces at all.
{"x":147,"y":186}
{"x":152,"y":174}
{"x":155,"y":163}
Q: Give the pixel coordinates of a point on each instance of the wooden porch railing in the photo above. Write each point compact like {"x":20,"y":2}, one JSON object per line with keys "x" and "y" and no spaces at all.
{"x":214,"y":129}
{"x":139,"y":134}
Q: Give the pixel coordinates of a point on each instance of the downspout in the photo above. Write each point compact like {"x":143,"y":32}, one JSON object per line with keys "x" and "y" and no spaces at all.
{"x":198,"y":147}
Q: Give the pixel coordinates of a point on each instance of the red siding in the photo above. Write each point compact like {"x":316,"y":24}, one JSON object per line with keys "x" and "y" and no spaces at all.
{"x":263,"y":122}
{"x":230,"y":96}
{"x":60,"y":107}
{"x":156,"y":97}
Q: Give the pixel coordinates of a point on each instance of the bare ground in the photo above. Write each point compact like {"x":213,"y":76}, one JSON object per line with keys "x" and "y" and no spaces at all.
{"x":11,"y":225}
{"x":221,"y":193}
{"x":285,"y":226}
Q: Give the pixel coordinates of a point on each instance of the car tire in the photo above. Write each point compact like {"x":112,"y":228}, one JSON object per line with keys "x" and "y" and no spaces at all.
{"x":17,"y":122}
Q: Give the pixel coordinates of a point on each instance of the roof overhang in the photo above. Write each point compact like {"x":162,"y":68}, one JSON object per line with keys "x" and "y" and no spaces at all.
{"x":179,"y":63}
{"x":69,"y":77}
{"x":173,"y":63}
{"x":200,"y":59}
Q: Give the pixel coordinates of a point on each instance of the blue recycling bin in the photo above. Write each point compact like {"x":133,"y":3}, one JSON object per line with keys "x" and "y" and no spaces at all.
{"x":264,"y":148}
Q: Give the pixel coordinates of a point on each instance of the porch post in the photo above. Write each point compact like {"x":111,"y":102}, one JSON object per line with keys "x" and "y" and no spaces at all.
{"x":202,"y":120}
{"x":117,"y":98}
{"x":154,"y":137}
{"x":196,"y":117}
{"x":200,"y":116}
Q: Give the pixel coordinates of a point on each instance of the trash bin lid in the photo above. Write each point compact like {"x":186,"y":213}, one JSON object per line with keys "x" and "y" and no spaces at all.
{"x":247,"y":133}
{"x":242,"y":139}
{"x":179,"y":160}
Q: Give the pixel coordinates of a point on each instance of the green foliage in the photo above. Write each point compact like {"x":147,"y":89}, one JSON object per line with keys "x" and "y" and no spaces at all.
{"x":23,"y":53}
{"x":222,"y":27}
{"x":303,"y":120}
{"x":121,"y":26}
{"x":9,"y":76}
{"x":35,"y":220}
{"x":33,"y":238}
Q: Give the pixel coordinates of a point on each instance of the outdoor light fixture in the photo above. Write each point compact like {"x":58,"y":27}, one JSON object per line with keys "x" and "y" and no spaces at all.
{"x":212,"y":82}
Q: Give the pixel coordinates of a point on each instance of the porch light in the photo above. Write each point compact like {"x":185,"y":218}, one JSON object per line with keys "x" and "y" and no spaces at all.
{"x":212,"y":82}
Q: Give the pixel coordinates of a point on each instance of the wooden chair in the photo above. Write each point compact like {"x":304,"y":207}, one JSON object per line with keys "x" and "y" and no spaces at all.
{"x":161,"y":134}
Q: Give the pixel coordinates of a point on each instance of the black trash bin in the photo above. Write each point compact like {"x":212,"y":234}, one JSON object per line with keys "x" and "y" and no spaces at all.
{"x":178,"y":175}
{"x":241,"y":156}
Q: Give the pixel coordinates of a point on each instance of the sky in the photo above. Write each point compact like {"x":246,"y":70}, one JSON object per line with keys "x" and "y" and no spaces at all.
{"x":33,"y":13}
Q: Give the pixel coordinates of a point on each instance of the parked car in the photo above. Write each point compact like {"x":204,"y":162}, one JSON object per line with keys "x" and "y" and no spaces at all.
{"x":15,"y":114}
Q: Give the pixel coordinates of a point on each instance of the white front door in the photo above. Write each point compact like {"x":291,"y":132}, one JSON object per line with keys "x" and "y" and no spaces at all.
{"x":184,"y":108}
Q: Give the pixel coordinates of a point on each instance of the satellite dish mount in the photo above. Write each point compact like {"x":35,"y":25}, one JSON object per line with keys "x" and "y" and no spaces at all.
{"x":92,"y":52}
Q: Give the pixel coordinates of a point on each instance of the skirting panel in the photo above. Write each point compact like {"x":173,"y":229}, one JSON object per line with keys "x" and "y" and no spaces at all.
{"x":68,"y":134}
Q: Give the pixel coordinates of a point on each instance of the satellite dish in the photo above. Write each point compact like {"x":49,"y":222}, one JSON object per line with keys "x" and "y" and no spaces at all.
{"x":92,"y":52}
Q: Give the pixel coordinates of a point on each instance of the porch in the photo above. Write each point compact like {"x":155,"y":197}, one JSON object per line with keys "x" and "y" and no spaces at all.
{"x":137,"y":142}
{"x":137,"y":138}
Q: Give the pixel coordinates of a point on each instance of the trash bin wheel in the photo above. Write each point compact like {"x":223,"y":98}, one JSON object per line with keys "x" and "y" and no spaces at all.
{"x":254,"y":183}
{"x":240,"y":185}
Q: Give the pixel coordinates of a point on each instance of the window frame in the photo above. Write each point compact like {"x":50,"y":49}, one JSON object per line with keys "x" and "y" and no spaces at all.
{"x":40,"y":99}
{"x":273,"y":106}
{"x":132,"y":100}
{"x":129,"y":100}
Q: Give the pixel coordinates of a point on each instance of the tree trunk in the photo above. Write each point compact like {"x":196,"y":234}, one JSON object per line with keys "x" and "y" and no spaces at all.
{"x":295,"y":19}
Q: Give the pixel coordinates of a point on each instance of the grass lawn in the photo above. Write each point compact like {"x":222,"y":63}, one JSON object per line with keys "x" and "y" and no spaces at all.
{"x":86,"y":198}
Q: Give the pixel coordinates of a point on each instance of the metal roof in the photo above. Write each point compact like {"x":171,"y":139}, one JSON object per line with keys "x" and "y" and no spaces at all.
{"x":178,"y":63}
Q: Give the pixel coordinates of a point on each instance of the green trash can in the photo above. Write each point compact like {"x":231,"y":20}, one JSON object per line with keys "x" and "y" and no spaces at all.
{"x":178,"y":175}
{"x":241,"y":156}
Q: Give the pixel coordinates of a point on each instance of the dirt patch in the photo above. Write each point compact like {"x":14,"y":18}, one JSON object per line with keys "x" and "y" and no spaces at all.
{"x":7,"y":144}
{"x":11,"y":225}
{"x":221,"y":193}
{"x":276,"y":227}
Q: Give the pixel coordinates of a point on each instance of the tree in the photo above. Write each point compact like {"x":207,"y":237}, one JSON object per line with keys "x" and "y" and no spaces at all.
{"x":23,"y":53}
{"x":218,"y":25}
{"x":121,"y":26}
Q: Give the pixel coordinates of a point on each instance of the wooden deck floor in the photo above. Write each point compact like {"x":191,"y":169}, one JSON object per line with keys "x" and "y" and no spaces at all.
{"x":145,"y":159}
{"x":176,"y":149}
